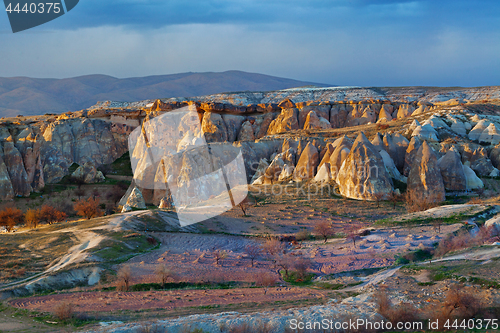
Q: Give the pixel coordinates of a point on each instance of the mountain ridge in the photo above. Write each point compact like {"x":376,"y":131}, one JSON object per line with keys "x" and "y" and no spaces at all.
{"x":35,"y":96}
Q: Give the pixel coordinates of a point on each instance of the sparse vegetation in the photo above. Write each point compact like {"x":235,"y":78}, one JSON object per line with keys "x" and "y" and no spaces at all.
{"x":89,"y":208}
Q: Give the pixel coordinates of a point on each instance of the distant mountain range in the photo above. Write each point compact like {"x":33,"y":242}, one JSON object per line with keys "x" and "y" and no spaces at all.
{"x":30,"y":96}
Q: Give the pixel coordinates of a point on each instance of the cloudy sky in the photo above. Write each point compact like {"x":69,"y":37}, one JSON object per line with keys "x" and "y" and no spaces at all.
{"x":339,"y":42}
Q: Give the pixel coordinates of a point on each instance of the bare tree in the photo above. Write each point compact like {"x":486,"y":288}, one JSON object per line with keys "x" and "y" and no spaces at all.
{"x":219,"y":255}
{"x":79,"y":192}
{"x":378,"y":197}
{"x":124,"y":276}
{"x":252,"y":251}
{"x":301,"y":265}
{"x":351,"y":232}
{"x":164,"y":274}
{"x":273,"y":247}
{"x":286,"y":262}
{"x":394,"y":198}
{"x":266,"y":280}
{"x":324,"y":229}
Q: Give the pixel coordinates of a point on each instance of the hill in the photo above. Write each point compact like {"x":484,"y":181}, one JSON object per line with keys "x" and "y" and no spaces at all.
{"x":30,"y":96}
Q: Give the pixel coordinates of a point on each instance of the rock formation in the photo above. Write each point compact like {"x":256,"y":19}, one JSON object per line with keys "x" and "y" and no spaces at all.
{"x":452,"y":171}
{"x":285,"y":122}
{"x":363,"y":175}
{"x":306,"y":166}
{"x":425,"y":180}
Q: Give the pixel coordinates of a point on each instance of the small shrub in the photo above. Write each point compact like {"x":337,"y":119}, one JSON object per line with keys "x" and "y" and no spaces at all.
{"x":124,"y":277}
{"x":88,"y":208}
{"x":64,"y":311}
{"x":10,"y":217}
{"x":51,"y":215}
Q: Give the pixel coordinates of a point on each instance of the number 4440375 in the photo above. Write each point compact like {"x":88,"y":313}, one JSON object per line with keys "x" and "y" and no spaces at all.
{"x":33,"y":8}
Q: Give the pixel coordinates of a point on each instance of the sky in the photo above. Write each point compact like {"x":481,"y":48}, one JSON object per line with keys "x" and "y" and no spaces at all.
{"x":337,"y":42}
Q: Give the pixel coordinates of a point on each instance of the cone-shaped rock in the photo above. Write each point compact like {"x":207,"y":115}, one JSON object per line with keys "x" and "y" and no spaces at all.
{"x":452,"y":171}
{"x":308,"y":161}
{"x":425,"y":178}
{"x":363,"y":175}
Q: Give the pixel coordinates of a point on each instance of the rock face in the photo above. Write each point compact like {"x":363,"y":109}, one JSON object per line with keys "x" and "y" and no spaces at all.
{"x":306,"y":166}
{"x":411,"y":153}
{"x":214,"y":128}
{"x":313,"y":121}
{"x":134,"y":200}
{"x":473,"y":181}
{"x":247,"y":132}
{"x":490,"y":135}
{"x":89,"y":173}
{"x":6,"y":190}
{"x":323,"y":174}
{"x":452,"y":171}
{"x":363,"y":175}
{"x":285,"y":122}
{"x":339,"y":155}
{"x":17,"y":174}
{"x":233,"y":124}
{"x":425,"y":179}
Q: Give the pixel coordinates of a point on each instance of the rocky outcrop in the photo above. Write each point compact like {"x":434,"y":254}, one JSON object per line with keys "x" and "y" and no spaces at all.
{"x":134,"y":200}
{"x":214,"y":128}
{"x":411,"y":153}
{"x":15,"y":166}
{"x":246,"y":132}
{"x":6,"y":190}
{"x":342,"y":149}
{"x":473,"y":181}
{"x":363,"y":175}
{"x":452,"y":171}
{"x":306,"y":166}
{"x":323,"y":174}
{"x":285,"y":122}
{"x":425,"y":132}
{"x":425,"y":180}
{"x":89,"y":174}
{"x":313,"y":121}
{"x":490,"y":135}
{"x":233,"y":125}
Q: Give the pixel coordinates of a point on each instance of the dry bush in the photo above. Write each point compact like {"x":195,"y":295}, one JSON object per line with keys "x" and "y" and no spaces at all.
{"x":465,"y":240}
{"x":302,"y":235}
{"x":31,"y":218}
{"x":89,"y":208}
{"x":10,"y":217}
{"x":124,"y":277}
{"x":219,"y":255}
{"x":403,"y":312}
{"x":459,"y":304}
{"x":51,"y":215}
{"x":273,"y":246}
{"x":301,"y":265}
{"x":63,"y":310}
{"x":380,"y":126}
{"x":416,"y":203}
{"x":266,"y":280}
{"x":252,"y":251}
{"x":164,"y":274}
{"x":324,"y":229}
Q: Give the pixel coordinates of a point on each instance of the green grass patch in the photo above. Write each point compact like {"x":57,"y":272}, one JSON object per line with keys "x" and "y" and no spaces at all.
{"x":296,"y":278}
